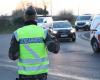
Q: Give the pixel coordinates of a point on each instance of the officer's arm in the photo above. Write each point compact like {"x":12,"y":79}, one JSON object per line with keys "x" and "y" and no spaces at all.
{"x":48,"y":36}
{"x":14,"y":49}
{"x":52,"y":43}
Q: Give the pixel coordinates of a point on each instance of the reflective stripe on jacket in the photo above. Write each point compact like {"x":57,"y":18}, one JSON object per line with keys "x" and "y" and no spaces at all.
{"x":33,"y":52}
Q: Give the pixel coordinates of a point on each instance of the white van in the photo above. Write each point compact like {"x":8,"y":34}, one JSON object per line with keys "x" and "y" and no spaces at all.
{"x":95,"y":34}
{"x":83,"y":22}
{"x":45,"y":22}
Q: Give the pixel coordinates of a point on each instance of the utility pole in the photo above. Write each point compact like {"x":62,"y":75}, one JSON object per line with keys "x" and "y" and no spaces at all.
{"x":78,"y":11}
{"x":51,"y":7}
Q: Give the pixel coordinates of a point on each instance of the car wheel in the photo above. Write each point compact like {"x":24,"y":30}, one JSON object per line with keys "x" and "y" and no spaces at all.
{"x":76,"y":29}
{"x":95,"y":46}
{"x":74,"y":38}
{"x":85,"y":29}
{"x":89,"y":29}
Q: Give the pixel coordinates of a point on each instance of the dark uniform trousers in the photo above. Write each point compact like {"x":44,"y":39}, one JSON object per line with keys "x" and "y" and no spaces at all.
{"x":33,"y":77}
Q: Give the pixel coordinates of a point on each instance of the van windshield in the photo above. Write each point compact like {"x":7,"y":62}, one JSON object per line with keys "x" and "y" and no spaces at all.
{"x":80,"y":18}
{"x":39,"y":20}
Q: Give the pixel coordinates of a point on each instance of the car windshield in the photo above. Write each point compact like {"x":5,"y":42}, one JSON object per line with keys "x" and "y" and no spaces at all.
{"x":80,"y":18}
{"x":61,"y":25}
{"x":39,"y":20}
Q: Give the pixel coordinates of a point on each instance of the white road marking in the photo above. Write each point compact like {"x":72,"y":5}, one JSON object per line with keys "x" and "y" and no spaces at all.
{"x":68,"y":76}
{"x":8,"y":66}
{"x":52,"y":72}
{"x":10,"y":61}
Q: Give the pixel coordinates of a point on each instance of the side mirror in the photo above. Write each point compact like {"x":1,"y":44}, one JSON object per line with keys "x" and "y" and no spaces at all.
{"x":45,"y":21}
{"x":73,"y":26}
{"x":50,"y":27}
{"x":91,"y":19}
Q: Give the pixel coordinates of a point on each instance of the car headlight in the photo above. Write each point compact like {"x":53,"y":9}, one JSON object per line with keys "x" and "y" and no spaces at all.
{"x":54,"y":32}
{"x":73,"y":30}
{"x":88,"y":23}
{"x":75,"y":23}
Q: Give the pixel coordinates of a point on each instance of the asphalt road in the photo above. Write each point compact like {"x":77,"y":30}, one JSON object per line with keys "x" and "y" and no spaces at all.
{"x":75,"y":61}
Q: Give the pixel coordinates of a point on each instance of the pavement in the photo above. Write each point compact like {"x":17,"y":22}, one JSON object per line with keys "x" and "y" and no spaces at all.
{"x":8,"y":69}
{"x":86,"y":36}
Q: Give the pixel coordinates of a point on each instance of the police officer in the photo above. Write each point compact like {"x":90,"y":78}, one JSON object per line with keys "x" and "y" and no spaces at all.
{"x":28,"y":45}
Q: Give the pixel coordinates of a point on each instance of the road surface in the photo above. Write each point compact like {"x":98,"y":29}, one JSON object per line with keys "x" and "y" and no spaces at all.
{"x":75,"y":61}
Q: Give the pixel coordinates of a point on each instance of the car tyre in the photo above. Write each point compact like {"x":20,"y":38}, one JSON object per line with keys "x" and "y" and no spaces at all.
{"x":95,"y":46}
{"x":77,"y":29}
{"x":85,"y":29}
{"x":89,"y":29}
{"x":74,"y":38}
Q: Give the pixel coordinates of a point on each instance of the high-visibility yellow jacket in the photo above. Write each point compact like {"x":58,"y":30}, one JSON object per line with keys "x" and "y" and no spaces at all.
{"x":33,"y":52}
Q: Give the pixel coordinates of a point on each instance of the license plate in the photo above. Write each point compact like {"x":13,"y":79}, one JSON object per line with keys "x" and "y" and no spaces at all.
{"x":64,"y":35}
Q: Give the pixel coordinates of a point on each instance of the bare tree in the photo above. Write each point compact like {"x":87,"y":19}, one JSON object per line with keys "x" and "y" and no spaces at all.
{"x":45,"y":8}
{"x":66,"y":15}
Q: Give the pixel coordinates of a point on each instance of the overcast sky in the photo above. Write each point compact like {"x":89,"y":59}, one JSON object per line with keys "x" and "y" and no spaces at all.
{"x":83,"y":6}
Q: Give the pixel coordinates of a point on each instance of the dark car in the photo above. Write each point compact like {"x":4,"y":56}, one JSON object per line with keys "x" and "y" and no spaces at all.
{"x":64,"y":30}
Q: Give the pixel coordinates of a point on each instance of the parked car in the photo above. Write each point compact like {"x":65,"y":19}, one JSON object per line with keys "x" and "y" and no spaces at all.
{"x":45,"y":22}
{"x":64,"y":30}
{"x":83,"y":22}
{"x":95,"y":34}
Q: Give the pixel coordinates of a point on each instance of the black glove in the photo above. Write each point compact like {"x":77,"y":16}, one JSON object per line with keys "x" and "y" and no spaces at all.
{"x":53,"y":46}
